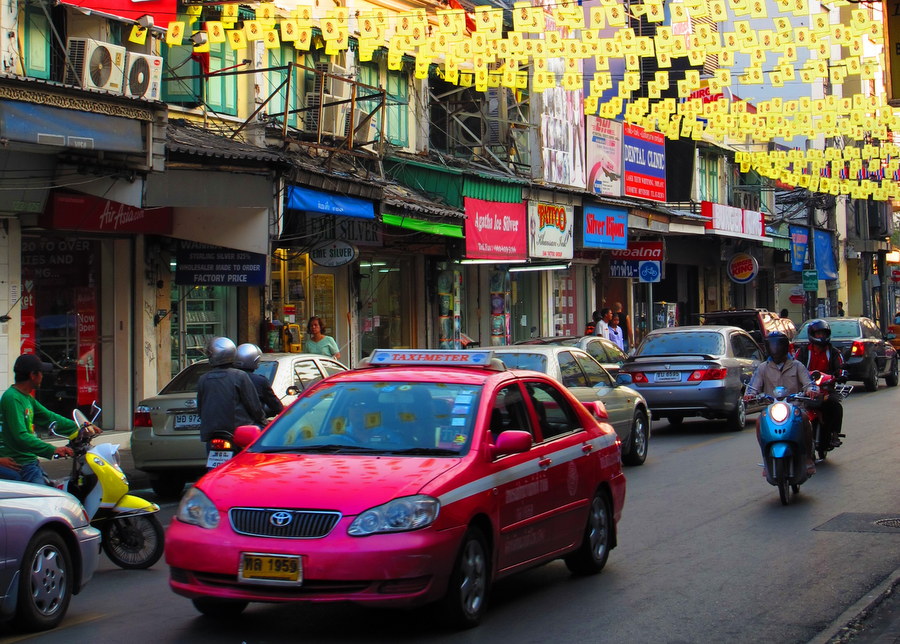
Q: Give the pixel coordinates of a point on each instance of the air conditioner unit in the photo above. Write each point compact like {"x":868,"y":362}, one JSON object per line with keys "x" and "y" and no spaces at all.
{"x":311,"y":114}
{"x":364,"y":129}
{"x":332,"y":86}
{"x":334,"y":117}
{"x":143,"y":76}
{"x":95,"y":65}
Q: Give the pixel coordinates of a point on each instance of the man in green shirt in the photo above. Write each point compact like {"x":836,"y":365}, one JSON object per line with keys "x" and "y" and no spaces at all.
{"x":19,"y":411}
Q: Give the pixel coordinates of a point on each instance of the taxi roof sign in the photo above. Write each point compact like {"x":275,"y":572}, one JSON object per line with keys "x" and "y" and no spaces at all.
{"x":433,"y":357}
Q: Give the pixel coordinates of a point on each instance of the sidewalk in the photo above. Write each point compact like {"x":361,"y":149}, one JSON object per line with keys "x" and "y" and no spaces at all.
{"x":874,"y":619}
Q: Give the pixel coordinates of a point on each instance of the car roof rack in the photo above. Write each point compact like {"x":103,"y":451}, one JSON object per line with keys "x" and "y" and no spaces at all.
{"x":478,"y":359}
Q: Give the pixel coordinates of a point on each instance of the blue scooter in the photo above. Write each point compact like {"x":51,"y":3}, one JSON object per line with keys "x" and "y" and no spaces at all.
{"x":782,"y":440}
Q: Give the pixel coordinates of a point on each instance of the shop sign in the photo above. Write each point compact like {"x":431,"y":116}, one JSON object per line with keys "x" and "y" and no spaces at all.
{"x":334,"y":253}
{"x":551,"y":227}
{"x":204,"y":265}
{"x":496,"y":230}
{"x":742,"y":268}
{"x":628,"y":262}
{"x":799,"y":243}
{"x":353,"y":230}
{"x":644,"y":155}
{"x":605,"y":227}
{"x":604,"y":156}
{"x":637,"y":250}
{"x":895,"y":275}
{"x":161,"y":10}
{"x":810,"y":280}
{"x":733,"y":222}
{"x":68,"y":211}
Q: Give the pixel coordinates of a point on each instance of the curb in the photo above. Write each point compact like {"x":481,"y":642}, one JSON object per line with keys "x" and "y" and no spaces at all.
{"x":840,"y":630}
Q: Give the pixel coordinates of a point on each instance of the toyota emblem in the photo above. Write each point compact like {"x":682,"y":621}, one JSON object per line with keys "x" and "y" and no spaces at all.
{"x":280,"y":519}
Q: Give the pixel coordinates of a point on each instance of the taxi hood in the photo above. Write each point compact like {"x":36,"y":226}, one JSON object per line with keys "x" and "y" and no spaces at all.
{"x":349,"y":484}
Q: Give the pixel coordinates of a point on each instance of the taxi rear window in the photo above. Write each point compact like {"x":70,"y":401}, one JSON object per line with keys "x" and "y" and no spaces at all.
{"x":414,"y":418}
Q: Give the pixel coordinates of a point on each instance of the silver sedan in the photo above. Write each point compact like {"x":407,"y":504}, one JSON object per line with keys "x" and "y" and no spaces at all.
{"x":589,"y":382}
{"x":48,"y":552}
{"x":165,"y":440}
{"x":695,"y":371}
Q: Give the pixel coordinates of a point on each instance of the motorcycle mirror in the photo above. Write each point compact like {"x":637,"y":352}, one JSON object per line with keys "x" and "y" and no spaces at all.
{"x":96,"y":409}
{"x":52,"y":428}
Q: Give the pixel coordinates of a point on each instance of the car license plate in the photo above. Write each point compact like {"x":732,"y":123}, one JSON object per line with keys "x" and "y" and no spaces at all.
{"x":218,"y":457}
{"x":668,"y":376}
{"x":187,"y":421}
{"x":258,"y":567}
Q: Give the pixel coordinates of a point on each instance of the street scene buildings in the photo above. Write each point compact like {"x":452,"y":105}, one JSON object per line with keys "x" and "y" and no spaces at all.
{"x":177,"y":171}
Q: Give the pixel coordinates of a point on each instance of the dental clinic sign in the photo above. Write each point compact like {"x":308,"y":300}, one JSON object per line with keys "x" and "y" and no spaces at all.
{"x":729,"y":221}
{"x":644,"y":156}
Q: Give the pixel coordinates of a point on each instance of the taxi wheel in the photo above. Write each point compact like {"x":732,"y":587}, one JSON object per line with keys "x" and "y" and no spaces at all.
{"x":593,"y":552}
{"x":219,"y":608}
{"x":637,"y":444}
{"x":466,"y":600}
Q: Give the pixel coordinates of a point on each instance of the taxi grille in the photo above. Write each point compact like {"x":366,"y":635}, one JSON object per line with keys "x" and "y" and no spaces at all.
{"x":283,"y":524}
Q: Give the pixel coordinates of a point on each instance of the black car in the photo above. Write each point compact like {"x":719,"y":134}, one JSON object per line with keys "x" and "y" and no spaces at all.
{"x":868,"y":355}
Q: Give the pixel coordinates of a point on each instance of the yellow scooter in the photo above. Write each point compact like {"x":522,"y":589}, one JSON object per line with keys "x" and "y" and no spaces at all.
{"x":132,"y":536}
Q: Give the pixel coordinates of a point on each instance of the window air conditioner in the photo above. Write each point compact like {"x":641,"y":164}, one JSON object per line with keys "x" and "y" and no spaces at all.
{"x":95,"y":65}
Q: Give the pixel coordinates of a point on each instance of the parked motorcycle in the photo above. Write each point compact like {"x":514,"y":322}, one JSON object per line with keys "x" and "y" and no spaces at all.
{"x":131,"y":535}
{"x":782,"y":440}
{"x":828,"y":388}
{"x":221,"y":450}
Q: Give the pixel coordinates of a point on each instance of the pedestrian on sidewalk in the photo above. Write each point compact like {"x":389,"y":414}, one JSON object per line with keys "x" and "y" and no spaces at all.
{"x":19,"y":412}
{"x":602,"y":326}
{"x":625,"y":325}
{"x":616,"y":332}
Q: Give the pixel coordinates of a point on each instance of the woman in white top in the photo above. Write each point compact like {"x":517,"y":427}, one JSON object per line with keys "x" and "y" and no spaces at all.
{"x":615,"y":332}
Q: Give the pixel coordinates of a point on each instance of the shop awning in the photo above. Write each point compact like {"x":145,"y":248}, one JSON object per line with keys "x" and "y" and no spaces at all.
{"x":244,"y":229}
{"x":324,"y":202}
{"x":419,"y":225}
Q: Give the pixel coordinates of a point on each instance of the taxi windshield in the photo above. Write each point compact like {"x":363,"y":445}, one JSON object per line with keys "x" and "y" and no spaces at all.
{"x":405,"y":418}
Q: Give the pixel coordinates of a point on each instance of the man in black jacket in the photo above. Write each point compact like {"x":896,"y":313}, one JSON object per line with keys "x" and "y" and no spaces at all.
{"x":247,"y":359}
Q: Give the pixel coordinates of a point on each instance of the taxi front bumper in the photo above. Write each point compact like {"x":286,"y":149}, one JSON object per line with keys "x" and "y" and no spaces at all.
{"x":399,"y":569}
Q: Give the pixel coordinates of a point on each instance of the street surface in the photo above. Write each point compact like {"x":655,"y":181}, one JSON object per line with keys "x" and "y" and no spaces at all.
{"x":706,"y":553}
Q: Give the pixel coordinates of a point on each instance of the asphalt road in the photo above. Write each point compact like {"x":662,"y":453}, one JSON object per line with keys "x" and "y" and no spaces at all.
{"x":706,"y":553}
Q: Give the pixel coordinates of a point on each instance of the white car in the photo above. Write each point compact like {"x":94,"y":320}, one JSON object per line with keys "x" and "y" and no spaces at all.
{"x":48,"y":552}
{"x":165,"y":437}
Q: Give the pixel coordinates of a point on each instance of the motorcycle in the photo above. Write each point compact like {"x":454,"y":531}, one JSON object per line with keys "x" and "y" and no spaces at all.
{"x":131,"y":534}
{"x":829,"y":387}
{"x":221,"y":450}
{"x":782,"y":441}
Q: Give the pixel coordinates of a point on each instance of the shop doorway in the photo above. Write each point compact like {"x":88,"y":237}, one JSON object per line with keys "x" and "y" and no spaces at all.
{"x":386,"y":314}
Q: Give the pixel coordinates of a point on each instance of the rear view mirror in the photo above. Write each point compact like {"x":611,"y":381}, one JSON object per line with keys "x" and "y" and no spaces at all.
{"x":597,"y":409}
{"x":512,"y":441}
{"x":624,"y":379}
{"x":293,"y":390}
{"x":245,"y":435}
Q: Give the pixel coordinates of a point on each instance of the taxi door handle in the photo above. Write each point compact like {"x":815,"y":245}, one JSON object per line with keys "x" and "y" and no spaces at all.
{"x":544,"y":463}
{"x":587,"y":448}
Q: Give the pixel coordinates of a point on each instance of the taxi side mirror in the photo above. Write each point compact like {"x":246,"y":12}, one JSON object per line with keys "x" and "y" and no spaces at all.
{"x":512,"y":441}
{"x":597,"y":409}
{"x":624,"y":379}
{"x":245,"y":435}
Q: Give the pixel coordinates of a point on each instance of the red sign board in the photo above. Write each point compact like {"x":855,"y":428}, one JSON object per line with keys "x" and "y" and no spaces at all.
{"x":895,"y":275}
{"x":163,"y":11}
{"x":640,"y":251}
{"x":496,"y":230}
{"x":70,"y":211}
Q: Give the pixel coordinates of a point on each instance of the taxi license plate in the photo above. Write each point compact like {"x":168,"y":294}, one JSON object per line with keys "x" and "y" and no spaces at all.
{"x":258,"y":567}
{"x":187,"y":421}
{"x":217,"y":458}
{"x":668,"y":376}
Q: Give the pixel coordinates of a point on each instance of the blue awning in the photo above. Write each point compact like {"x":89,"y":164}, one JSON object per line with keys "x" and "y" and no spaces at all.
{"x":314,"y":201}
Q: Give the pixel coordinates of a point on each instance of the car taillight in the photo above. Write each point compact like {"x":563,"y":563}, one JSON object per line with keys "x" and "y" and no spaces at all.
{"x":221,"y":444}
{"x":858,"y":348}
{"x":708,"y":374}
{"x":638,"y":376}
{"x":142,"y":417}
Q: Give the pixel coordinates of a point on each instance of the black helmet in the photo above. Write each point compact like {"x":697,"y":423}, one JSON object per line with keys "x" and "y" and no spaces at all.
{"x":247,"y":357}
{"x":220,"y":351}
{"x":819,"y":327}
{"x":777,"y":343}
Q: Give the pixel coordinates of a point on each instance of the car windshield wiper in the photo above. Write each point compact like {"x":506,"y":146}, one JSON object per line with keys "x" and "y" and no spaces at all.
{"x":426,"y":451}
{"x":328,"y":449}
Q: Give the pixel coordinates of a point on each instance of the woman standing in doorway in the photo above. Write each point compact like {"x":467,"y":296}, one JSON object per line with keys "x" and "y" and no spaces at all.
{"x":318,"y":342}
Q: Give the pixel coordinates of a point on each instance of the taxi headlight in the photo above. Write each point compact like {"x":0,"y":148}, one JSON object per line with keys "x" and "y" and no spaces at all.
{"x":400,"y":515}
{"x":196,"y":508}
{"x":779,"y":412}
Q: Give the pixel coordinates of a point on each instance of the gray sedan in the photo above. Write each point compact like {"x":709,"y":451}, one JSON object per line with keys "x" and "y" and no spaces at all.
{"x":165,"y":440}
{"x":604,"y":351}
{"x":589,"y":382}
{"x":48,"y":552}
{"x":696,"y":371}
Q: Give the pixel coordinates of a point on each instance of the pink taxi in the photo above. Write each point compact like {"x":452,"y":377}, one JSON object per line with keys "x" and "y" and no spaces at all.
{"x":422,"y":476}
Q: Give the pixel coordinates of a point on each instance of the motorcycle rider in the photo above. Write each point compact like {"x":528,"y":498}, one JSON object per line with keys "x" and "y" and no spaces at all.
{"x":19,"y":412}
{"x":780,"y":370}
{"x":247,"y":359}
{"x":226,"y":397}
{"x":820,"y":355}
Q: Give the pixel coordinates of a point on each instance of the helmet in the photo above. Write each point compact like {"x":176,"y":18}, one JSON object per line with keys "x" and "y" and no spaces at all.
{"x":220,"y":351}
{"x":777,"y":343}
{"x":247,"y":357}
{"x":817,"y":327}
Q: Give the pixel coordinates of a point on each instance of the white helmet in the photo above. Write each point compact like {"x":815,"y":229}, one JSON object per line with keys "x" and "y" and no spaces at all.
{"x":220,"y":351}
{"x":247,"y":357}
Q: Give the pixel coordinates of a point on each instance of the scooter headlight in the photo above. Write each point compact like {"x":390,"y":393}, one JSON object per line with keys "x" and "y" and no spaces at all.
{"x":779,"y":412}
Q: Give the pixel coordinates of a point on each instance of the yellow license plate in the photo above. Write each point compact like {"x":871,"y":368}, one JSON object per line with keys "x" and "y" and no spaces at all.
{"x":261,"y":567}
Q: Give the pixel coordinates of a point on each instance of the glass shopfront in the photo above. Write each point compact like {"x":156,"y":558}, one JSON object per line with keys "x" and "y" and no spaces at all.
{"x":61,"y":317}
{"x":198,"y":314}
{"x":525,"y":296}
{"x":385,"y":295}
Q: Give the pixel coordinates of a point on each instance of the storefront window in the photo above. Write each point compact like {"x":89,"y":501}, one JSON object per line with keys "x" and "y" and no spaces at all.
{"x":61,"y":318}
{"x":564,"y":320}
{"x":290,"y":283}
{"x":198,"y":314}
{"x":449,"y":282}
{"x":525,"y":295}
{"x":386,"y":317}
